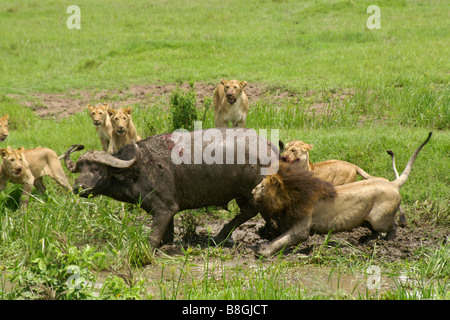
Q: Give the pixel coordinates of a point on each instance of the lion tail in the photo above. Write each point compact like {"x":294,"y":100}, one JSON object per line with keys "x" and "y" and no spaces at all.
{"x":391,"y":153}
{"x":405,"y":174}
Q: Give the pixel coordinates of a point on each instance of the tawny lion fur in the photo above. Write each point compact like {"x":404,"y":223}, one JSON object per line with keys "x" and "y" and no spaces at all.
{"x":336,"y":172}
{"x":4,"y":128}
{"x":373,"y":203}
{"x":102,"y":122}
{"x":230,"y":104}
{"x":28,"y":167}
{"x":123,"y":129}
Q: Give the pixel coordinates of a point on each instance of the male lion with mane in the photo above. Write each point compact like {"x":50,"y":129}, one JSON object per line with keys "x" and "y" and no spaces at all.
{"x":297,"y":204}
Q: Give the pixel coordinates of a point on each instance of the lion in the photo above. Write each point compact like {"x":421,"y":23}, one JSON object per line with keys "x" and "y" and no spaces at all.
{"x":28,"y":167}
{"x":336,"y":172}
{"x":123,"y":129}
{"x":102,"y":122}
{"x":296,"y":205}
{"x":230,"y":104}
{"x":4,"y":128}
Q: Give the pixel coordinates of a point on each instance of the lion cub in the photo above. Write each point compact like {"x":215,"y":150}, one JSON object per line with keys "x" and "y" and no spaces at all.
{"x":230,"y":104}
{"x":4,"y":128}
{"x":336,"y":172}
{"x":27,"y":167}
{"x":102,"y":123}
{"x":123,"y":129}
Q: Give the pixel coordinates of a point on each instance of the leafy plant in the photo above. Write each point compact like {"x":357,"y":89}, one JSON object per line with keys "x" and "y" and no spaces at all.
{"x":63,"y":273}
{"x":183,"y":108}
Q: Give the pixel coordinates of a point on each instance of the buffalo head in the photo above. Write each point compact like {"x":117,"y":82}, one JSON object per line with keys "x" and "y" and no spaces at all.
{"x":96,"y":168}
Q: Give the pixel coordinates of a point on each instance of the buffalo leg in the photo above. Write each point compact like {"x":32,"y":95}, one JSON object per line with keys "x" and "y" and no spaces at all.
{"x":247,"y":211}
{"x":169,"y":234}
{"x":162,"y":227}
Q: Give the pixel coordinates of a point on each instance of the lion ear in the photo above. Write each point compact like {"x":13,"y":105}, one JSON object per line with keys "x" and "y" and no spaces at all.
{"x":3,"y":152}
{"x":21,"y":149}
{"x":128,"y":110}
{"x":111,"y":112}
{"x":276,"y":181}
{"x":89,"y":107}
{"x":307,"y":147}
{"x":222,"y":81}
{"x":243,"y":84}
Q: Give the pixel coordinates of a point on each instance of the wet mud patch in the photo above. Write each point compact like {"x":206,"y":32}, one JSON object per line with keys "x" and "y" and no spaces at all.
{"x":357,"y":242}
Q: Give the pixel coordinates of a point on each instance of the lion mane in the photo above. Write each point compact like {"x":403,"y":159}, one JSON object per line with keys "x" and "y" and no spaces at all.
{"x":290,"y":193}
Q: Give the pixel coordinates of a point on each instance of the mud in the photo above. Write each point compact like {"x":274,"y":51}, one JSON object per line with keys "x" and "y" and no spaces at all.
{"x":356,"y":243}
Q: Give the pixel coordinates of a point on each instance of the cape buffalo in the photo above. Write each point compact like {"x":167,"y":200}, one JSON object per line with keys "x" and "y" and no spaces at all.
{"x":168,"y":173}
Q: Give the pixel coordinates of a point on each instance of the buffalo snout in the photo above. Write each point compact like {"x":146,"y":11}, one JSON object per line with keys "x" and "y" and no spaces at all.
{"x":80,"y":190}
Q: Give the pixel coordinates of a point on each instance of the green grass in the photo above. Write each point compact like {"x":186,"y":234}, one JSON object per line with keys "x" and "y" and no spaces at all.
{"x":299,"y":45}
{"x":397,"y":83}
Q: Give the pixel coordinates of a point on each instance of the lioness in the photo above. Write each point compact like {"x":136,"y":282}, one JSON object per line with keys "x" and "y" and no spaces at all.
{"x":230,"y":104}
{"x":123,"y":129}
{"x":102,"y":123}
{"x":295,"y":205}
{"x":336,"y":172}
{"x":4,"y":128}
{"x":27,"y":167}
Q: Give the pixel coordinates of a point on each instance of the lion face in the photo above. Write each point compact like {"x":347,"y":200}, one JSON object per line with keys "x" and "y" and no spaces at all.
{"x":120,"y":119}
{"x":13,"y":160}
{"x":98,"y":114}
{"x":269,"y":193}
{"x":4,"y":129}
{"x":297,"y":152}
{"x":233,"y":89}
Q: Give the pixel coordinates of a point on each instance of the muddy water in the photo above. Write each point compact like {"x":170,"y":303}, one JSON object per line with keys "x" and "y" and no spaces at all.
{"x":314,"y":281}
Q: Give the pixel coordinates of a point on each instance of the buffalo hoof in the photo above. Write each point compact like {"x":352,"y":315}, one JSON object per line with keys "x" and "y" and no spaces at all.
{"x":263,"y":251}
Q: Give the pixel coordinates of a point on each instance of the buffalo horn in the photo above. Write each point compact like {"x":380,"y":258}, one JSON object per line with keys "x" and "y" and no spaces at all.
{"x":68,"y":161}
{"x":109,"y":160}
